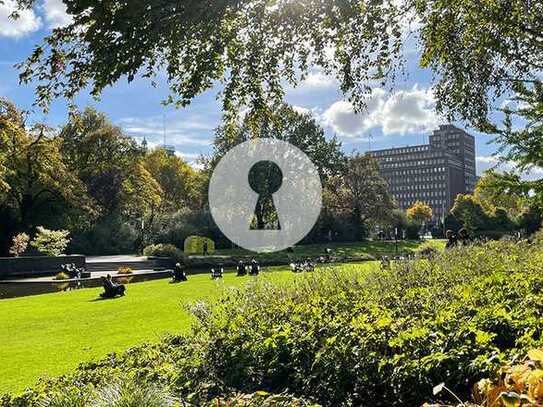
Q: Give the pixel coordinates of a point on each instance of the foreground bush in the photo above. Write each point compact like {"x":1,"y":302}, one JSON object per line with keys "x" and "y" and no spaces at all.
{"x":347,"y":337}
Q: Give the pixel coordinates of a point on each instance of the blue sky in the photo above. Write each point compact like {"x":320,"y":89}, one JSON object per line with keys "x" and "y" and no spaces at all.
{"x":403,"y":115}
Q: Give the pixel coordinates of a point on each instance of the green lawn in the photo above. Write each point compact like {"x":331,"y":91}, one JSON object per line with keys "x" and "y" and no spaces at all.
{"x":50,"y":334}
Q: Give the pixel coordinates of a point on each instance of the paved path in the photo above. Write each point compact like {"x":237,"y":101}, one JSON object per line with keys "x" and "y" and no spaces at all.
{"x":95,"y":275}
{"x":122,"y":258}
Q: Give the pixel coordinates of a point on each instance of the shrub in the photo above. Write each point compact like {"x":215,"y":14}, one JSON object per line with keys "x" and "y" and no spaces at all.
{"x":163,"y":250}
{"x":61,"y":276}
{"x":50,"y":242}
{"x":124,"y":270}
{"x":383,"y":338}
{"x":129,"y":393}
{"x":195,"y":245}
{"x":19,"y":244}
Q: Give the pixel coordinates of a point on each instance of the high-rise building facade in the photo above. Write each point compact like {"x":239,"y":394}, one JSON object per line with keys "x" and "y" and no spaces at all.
{"x":433,"y":173}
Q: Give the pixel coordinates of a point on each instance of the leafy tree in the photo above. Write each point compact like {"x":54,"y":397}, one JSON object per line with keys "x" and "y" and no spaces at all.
{"x":50,"y":242}
{"x":141,"y":194}
{"x":141,"y":199}
{"x":118,"y":177}
{"x":522,"y":145}
{"x":419,"y":213}
{"x":362,"y":193}
{"x":477,"y":50}
{"x":495,"y":190}
{"x":480,"y":51}
{"x":100,"y":155}
{"x":284,"y":123}
{"x":179,"y":182}
{"x":253,"y":46}
{"x":469,"y":212}
{"x":287,"y":124}
{"x":38,"y":181}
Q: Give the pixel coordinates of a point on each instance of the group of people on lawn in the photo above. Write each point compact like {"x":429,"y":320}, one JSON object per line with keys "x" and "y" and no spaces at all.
{"x":179,"y":272}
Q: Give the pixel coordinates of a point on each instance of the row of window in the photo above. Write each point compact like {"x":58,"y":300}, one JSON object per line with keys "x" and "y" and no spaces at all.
{"x":396,"y":151}
{"x":404,"y":164}
{"x":435,"y":173}
{"x":435,"y":189}
{"x":418,"y":195}
{"x":410,"y":157}
{"x":407,"y":184}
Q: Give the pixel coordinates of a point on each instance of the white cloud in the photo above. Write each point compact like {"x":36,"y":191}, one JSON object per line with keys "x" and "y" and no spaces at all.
{"x":492,"y":162}
{"x":55,"y":14}
{"x":178,"y":132}
{"x":318,"y":80}
{"x":403,"y":112}
{"x":27,"y":22}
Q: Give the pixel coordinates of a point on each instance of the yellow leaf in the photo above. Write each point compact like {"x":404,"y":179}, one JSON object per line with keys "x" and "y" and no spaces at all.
{"x":536,"y":355}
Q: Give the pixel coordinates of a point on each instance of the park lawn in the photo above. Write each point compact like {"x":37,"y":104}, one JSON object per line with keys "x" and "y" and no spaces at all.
{"x":50,"y":334}
{"x":355,"y":249}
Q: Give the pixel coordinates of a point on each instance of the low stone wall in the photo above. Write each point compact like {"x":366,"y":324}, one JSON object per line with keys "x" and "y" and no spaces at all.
{"x":11,"y":267}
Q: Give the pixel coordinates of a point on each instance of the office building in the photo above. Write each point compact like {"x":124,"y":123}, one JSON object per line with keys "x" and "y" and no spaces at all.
{"x":433,"y":173}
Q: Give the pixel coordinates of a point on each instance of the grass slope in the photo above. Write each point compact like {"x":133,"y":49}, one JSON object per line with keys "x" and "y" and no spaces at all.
{"x":50,"y":334}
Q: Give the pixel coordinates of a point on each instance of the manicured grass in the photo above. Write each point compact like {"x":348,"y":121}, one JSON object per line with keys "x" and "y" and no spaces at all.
{"x":355,"y":249}
{"x":47,"y":335}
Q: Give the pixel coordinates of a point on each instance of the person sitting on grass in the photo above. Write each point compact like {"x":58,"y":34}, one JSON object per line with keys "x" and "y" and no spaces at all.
{"x":111,"y":289}
{"x":217,"y":273}
{"x":242,"y":270}
{"x":328,"y":254}
{"x":255,"y":268}
{"x":179,"y":274}
{"x":452,"y":239}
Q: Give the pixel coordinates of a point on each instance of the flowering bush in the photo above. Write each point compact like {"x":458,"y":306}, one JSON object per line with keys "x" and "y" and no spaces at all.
{"x":50,"y":242}
{"x":19,"y":244}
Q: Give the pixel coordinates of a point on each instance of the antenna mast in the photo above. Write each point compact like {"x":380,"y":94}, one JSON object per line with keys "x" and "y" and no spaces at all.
{"x":164,"y":128}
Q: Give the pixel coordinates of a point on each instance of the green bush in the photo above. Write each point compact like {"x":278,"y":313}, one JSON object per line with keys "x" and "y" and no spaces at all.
{"x":348,"y":337}
{"x":163,"y":250}
{"x":385,"y":338}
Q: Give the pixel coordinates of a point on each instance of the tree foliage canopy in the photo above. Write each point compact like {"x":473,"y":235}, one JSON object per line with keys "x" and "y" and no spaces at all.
{"x":477,"y":50}
{"x":419,"y":212}
{"x":361,"y":192}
